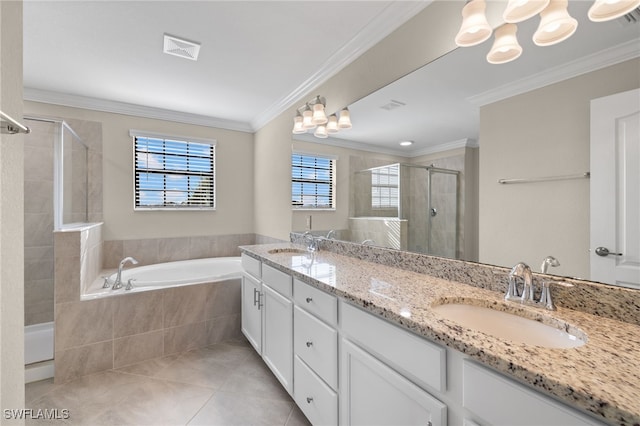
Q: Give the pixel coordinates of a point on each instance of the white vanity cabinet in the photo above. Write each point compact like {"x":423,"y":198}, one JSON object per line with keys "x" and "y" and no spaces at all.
{"x":267,"y":317}
{"x":316,"y":353}
{"x":252,"y":302}
{"x":380,"y":365}
{"x":498,"y":400}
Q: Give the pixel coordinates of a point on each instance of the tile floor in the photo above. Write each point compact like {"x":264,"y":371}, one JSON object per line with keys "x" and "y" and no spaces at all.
{"x":223,"y":384}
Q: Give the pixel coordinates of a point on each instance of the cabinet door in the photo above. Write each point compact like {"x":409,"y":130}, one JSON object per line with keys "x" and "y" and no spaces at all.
{"x":252,"y":312}
{"x":277,"y":336}
{"x":371,"y":393}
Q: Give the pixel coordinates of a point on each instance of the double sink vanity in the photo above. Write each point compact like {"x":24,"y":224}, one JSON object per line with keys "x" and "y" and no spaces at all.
{"x":364,"y":335}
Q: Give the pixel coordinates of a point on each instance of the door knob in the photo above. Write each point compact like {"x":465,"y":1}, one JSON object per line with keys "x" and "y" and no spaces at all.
{"x":604,"y":252}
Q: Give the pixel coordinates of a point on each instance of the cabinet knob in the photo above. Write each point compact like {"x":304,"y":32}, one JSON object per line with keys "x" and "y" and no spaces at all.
{"x":309,"y":400}
{"x":309,"y":300}
{"x":309,"y":344}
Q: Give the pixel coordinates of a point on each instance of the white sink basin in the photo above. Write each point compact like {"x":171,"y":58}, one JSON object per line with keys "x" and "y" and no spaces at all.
{"x":512,"y":327}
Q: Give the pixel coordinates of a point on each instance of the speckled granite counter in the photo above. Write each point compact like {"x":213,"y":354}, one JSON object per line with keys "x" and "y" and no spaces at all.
{"x":601,"y":377}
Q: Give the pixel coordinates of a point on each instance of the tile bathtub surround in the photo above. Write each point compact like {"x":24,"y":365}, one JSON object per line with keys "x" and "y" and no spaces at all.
{"x":223,"y":384}
{"x":159,"y":250}
{"x":113,"y":332}
{"x":601,"y":377}
{"x":618,"y":303}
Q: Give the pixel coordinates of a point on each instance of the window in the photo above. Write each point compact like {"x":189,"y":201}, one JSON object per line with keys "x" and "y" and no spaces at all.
{"x":384,"y":187}
{"x":173,"y":173}
{"x":312,"y":182}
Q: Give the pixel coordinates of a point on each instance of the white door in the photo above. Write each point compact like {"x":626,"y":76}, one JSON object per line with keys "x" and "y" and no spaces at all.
{"x":371,"y":393}
{"x":252,"y":304}
{"x":277,"y":336}
{"x":615,"y":189}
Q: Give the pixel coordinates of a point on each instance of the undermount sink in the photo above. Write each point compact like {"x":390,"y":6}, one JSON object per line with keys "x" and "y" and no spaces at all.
{"x":287,"y":250}
{"x":551,"y":333}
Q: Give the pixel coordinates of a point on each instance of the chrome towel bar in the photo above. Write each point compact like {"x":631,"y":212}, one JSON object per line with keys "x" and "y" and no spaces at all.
{"x":12,"y":126}
{"x":586,"y":175}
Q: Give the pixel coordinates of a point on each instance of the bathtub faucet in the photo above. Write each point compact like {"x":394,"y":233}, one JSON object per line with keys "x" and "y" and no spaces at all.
{"x":118,"y":283}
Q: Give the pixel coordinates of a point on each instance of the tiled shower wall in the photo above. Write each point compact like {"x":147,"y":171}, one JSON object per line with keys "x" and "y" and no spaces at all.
{"x":38,"y":208}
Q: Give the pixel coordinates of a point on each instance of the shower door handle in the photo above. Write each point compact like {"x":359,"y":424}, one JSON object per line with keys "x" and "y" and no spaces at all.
{"x":433,"y":212}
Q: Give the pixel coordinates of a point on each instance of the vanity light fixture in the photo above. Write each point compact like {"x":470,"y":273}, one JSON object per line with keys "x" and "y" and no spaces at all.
{"x":606,"y":10}
{"x":312,"y":116}
{"x":556,"y":24}
{"x":474,"y":29}
{"x":505,"y":47}
{"x":521,"y":10}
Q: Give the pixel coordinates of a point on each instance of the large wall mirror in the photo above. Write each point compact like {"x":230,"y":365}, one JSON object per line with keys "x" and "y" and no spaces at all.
{"x":471,"y":125}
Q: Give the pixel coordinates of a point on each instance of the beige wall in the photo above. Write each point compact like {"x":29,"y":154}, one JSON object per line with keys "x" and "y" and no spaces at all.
{"x":542,"y":133}
{"x":234,"y":176}
{"x":11,"y":214}
{"x":427,"y":36}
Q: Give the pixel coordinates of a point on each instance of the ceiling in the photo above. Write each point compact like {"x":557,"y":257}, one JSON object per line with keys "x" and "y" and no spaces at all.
{"x":257,"y":58}
{"x":439,"y":103}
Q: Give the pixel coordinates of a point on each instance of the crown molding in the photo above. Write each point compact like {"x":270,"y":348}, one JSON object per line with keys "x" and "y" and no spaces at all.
{"x":400,"y":152}
{"x":76,"y":101}
{"x":593,"y":62}
{"x":390,"y":19}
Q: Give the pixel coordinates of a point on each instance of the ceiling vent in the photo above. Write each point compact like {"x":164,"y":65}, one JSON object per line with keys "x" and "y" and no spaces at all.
{"x":180,"y":47}
{"x":632,"y":17}
{"x":393,"y":105}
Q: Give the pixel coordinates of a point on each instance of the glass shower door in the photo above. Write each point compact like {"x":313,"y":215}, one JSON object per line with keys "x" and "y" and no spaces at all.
{"x":442,"y":213}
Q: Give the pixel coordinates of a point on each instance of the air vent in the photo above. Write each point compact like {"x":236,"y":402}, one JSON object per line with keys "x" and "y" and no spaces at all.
{"x":180,"y":47}
{"x":632,"y":17}
{"x":392,"y":105}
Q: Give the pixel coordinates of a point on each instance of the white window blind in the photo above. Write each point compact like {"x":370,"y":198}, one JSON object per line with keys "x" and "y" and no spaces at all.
{"x":312,"y":182}
{"x":173,"y":174}
{"x":384,"y":187}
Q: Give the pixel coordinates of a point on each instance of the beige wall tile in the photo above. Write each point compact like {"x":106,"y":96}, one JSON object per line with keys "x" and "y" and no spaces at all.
{"x":172,"y":249}
{"x":184,"y":305}
{"x":112,"y":253}
{"x":76,"y":362}
{"x":185,"y":338}
{"x":223,"y":328}
{"x":223,"y":298}
{"x":67,"y":279}
{"x":82,"y":323}
{"x":67,"y":244}
{"x":137,"y":313}
{"x":144,"y":251}
{"x":140,"y":347}
{"x":199,"y":247}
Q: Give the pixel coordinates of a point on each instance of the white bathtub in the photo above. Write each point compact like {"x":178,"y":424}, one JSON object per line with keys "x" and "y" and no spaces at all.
{"x":169,"y":274}
{"x":38,"y":351}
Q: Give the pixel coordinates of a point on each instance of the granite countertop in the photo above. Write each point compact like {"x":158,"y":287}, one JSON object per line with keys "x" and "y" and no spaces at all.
{"x":601,"y":377}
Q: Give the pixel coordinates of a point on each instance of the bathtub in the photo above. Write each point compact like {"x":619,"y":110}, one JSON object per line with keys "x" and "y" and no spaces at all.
{"x":38,"y":352}
{"x":169,"y":274}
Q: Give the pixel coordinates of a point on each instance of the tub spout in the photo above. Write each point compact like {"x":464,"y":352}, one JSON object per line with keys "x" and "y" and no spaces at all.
{"x":118,"y":282}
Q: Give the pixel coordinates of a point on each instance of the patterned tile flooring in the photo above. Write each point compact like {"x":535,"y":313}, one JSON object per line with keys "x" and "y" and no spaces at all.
{"x":223,"y":384}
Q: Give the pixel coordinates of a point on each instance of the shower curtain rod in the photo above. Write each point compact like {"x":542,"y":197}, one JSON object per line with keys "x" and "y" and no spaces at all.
{"x":13,"y":126}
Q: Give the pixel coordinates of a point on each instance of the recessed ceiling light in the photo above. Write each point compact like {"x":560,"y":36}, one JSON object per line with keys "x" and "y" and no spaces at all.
{"x":181,"y":47}
{"x":406,"y":143}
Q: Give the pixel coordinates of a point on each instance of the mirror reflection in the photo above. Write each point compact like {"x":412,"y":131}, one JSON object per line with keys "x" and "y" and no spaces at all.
{"x":526,"y":119}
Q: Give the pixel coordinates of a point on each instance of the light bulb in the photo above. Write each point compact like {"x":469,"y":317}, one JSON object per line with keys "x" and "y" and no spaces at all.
{"x":520,"y":10}
{"x":606,"y":10}
{"x":505,"y":47}
{"x":307,"y":119}
{"x":298,"y":128}
{"x":556,"y":24}
{"x":332,"y":124}
{"x":344,"y":122}
{"x":319,"y":117}
{"x":474,"y":29}
{"x":321,"y":132}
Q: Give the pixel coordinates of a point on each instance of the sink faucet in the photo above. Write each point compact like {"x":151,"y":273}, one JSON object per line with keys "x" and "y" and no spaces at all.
{"x":367,"y":242}
{"x":311,"y":242}
{"x":118,"y":282}
{"x":520,"y":270}
{"x":330,"y":234}
{"x":549,"y":261}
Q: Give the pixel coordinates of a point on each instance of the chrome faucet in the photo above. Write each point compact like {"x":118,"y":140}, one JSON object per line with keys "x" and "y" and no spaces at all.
{"x":520,"y":270}
{"x":330,"y":234}
{"x":549,"y":261}
{"x":311,"y":242}
{"x":118,"y":282}
{"x":367,"y":242}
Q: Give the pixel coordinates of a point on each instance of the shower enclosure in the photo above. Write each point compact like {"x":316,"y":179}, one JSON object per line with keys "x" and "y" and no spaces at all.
{"x":408,"y":207}
{"x":55,"y":196}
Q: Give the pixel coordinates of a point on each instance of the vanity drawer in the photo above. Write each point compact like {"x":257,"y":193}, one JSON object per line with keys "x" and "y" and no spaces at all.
{"x":251,"y":265}
{"x":317,"y":345}
{"x":321,"y":304}
{"x":516,"y":404}
{"x":277,"y":280}
{"x":316,"y":400}
{"x":410,"y":355}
